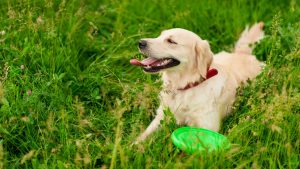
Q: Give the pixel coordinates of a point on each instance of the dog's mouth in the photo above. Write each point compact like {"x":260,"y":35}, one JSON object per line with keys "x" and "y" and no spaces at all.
{"x":152,"y":64}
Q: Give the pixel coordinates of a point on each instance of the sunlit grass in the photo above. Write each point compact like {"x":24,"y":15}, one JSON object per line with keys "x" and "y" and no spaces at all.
{"x":70,"y":99}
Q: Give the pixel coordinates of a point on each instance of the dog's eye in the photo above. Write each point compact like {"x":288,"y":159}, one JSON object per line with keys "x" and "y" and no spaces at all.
{"x":171,"y":41}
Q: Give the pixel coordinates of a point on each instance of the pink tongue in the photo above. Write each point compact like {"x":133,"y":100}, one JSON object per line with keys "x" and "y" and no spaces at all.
{"x":144,"y":62}
{"x":136,"y":62}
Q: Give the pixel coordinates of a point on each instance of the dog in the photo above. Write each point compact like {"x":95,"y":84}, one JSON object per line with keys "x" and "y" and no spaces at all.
{"x":199,"y":87}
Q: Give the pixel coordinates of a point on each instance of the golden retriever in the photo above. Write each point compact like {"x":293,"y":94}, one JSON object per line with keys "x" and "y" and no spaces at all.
{"x":199,"y":87}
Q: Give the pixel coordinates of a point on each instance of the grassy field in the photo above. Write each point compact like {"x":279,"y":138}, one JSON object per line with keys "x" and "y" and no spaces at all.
{"x":70,"y":99}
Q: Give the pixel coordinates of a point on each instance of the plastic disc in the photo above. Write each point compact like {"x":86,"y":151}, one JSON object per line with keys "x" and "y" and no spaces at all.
{"x":193,"y":140}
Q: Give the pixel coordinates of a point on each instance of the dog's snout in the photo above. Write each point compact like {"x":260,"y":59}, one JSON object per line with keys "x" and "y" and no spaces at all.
{"x":142,"y":44}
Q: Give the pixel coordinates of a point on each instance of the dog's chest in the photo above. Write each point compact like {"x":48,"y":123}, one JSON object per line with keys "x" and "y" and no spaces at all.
{"x":185,"y":106}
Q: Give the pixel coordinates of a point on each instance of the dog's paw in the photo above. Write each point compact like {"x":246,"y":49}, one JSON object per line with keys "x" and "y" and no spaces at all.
{"x":134,"y":143}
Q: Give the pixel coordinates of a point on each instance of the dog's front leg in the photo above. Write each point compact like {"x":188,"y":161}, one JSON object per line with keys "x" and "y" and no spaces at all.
{"x":153,"y":125}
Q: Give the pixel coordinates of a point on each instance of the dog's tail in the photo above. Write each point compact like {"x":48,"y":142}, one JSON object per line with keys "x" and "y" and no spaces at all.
{"x":248,"y":38}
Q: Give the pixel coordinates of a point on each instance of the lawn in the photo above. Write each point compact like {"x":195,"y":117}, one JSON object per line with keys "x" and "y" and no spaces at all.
{"x":70,"y":99}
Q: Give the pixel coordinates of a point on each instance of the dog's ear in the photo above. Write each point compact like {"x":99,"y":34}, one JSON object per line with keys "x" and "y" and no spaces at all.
{"x":204,"y":57}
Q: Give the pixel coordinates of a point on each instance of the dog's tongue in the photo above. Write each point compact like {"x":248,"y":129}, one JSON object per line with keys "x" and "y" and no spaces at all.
{"x":145,"y":62}
{"x":136,"y":62}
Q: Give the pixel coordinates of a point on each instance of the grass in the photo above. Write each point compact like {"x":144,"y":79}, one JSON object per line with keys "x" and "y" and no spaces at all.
{"x":70,"y":99}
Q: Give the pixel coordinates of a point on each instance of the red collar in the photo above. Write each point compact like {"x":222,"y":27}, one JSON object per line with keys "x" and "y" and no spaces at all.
{"x":210,"y":73}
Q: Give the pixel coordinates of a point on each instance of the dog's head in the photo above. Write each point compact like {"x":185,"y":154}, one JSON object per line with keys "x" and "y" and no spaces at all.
{"x":175,"y":50}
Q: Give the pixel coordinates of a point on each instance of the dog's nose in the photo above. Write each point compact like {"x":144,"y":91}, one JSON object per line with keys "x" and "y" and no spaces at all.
{"x":142,"y":44}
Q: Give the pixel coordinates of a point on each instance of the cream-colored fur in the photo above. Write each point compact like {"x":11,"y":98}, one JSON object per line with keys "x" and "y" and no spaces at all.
{"x":206,"y":104}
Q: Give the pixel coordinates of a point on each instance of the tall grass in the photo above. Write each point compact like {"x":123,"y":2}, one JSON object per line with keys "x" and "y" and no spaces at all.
{"x":70,"y":99}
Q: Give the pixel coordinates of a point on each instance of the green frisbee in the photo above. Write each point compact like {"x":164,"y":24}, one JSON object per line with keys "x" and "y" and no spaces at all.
{"x":199,"y":140}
